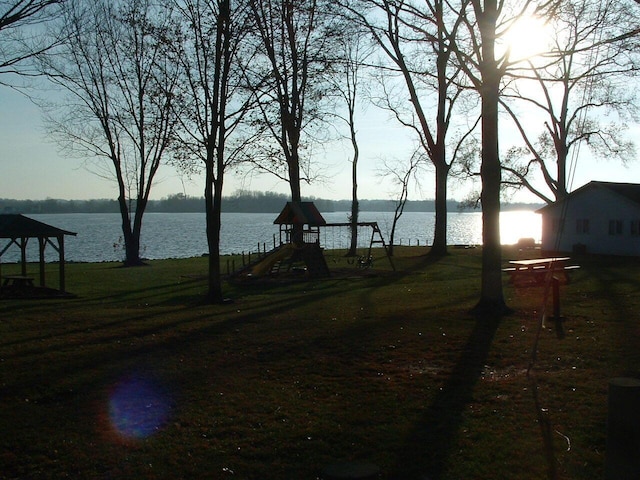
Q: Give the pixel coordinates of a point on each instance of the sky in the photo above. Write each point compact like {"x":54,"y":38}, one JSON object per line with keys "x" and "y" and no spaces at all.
{"x":31,"y":166}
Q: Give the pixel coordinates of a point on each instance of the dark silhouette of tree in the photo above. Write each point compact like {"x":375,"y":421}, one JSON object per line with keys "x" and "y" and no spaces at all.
{"x":22,"y":24}
{"x":476,"y":52}
{"x":415,"y":37}
{"x":488,"y":85}
{"x":215,"y":103}
{"x":485,"y":22}
{"x":583,"y":77}
{"x":288,"y":79}
{"x":402,"y":174}
{"x":347,"y":85}
{"x":120,"y":86}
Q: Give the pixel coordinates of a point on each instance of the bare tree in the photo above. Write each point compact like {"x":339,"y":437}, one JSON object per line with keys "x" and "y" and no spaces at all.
{"x":583,"y":77}
{"x":119,"y":89}
{"x":22,"y":25}
{"x":487,"y":82}
{"x":485,"y":23}
{"x":347,"y":85}
{"x":288,"y":79}
{"x":215,"y":103}
{"x":415,"y":37}
{"x":402,"y":174}
{"x":476,"y":52}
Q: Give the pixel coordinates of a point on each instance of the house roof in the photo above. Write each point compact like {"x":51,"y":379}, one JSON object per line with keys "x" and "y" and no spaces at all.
{"x":16,"y":226}
{"x":630,"y":191}
{"x":300,"y":213}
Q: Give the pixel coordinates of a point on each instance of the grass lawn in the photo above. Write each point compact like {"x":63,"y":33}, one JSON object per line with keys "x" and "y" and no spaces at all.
{"x":137,"y":378}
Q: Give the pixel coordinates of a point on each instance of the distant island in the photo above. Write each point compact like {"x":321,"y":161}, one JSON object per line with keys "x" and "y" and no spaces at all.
{"x":242,"y":202}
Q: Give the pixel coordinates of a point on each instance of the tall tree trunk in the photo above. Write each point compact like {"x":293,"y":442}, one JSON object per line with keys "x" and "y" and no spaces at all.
{"x":215,"y":145}
{"x":491,"y":294}
{"x":131,"y":242}
{"x":392,"y":237}
{"x":294,"y":175}
{"x":354,"y":187}
{"x":355,"y":207}
{"x":562,"y":152}
{"x":131,"y":246}
{"x":141,"y":206}
{"x":439,"y":247}
{"x":297,"y":235}
{"x":213,"y":200}
{"x":296,"y":192}
{"x":560,"y":135}
{"x":439,"y":150}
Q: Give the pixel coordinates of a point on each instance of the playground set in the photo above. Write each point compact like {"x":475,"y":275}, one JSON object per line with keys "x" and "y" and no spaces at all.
{"x":299,"y":250}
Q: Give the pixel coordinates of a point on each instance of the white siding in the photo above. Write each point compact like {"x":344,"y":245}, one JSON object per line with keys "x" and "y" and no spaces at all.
{"x":587,"y":218}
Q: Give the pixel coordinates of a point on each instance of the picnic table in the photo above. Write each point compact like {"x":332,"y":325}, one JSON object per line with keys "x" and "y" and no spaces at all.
{"x":535,"y":271}
{"x":538,"y":271}
{"x":17,"y":281}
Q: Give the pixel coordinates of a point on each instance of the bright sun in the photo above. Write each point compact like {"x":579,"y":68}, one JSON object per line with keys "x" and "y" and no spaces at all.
{"x":526,"y":38}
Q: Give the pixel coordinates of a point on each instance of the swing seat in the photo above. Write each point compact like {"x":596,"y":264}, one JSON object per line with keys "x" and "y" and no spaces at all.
{"x":365,"y":261}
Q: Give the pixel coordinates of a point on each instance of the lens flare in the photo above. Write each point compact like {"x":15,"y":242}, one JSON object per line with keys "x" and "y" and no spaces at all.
{"x":138,"y":407}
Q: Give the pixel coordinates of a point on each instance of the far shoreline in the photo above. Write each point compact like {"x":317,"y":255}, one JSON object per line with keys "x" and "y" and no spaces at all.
{"x":246,"y":203}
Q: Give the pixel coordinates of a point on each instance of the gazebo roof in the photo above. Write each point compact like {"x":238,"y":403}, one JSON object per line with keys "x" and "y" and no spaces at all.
{"x":19,"y":226}
{"x":300,"y":213}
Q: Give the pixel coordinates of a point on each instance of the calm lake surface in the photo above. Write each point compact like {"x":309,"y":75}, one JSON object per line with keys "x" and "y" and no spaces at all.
{"x":182,"y":235}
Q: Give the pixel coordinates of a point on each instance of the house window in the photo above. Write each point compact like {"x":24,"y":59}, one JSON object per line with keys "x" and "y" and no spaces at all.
{"x":558,"y":225}
{"x":582,"y":226}
{"x":635,"y":227}
{"x":615,"y":227}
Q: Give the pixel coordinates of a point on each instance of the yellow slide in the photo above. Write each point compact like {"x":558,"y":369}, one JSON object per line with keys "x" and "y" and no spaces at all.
{"x":264,"y":266}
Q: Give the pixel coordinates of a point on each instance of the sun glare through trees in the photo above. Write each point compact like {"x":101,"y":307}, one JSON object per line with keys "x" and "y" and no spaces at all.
{"x":527,"y":37}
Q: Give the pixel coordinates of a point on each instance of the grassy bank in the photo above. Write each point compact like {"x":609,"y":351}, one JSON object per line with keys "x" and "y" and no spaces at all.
{"x":137,"y":378}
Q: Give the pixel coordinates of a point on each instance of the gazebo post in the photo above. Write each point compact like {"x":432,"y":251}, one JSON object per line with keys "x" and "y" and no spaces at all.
{"x":2,"y":253}
{"x":61,"y":253}
{"x":43,"y":243}
{"x":23,"y":255}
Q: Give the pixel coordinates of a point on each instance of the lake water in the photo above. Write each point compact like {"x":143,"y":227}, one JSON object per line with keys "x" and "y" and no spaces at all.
{"x":182,"y":235}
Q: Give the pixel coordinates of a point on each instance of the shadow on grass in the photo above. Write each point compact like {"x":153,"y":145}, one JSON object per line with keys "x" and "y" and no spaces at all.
{"x":621,"y":287}
{"x":45,"y":308}
{"x":80,"y":362}
{"x":427,"y":448}
{"x":119,"y":341}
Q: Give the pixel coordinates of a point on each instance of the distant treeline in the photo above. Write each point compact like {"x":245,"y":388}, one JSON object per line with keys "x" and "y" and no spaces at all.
{"x":243,"y":202}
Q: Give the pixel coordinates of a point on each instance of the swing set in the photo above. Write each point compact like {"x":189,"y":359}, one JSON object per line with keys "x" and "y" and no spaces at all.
{"x":300,"y":226}
{"x":300,"y":232}
{"x":366,"y":260}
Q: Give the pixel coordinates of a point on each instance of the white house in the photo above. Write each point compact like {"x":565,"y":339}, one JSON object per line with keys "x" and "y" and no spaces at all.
{"x":599,"y":217}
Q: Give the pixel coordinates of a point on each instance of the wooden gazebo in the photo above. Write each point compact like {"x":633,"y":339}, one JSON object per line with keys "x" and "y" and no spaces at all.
{"x":18,"y":230}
